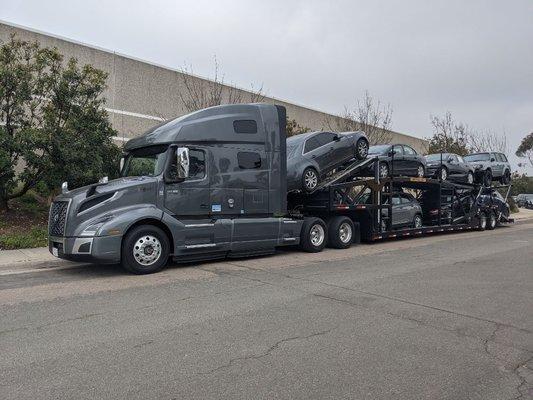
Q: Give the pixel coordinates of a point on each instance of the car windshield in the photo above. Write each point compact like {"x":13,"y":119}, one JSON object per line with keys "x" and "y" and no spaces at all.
{"x":148,"y":161}
{"x":436,"y":157}
{"x":379,"y":149}
{"x":478,"y":157}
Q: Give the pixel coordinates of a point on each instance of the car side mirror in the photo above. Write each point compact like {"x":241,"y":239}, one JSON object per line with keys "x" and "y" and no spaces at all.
{"x":450,"y":159}
{"x":336,"y":138}
{"x":182,"y":162}
{"x":392,"y":152}
{"x":492,"y":159}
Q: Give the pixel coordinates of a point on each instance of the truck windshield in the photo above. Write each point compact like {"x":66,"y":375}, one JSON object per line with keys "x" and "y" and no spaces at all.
{"x":478,"y":157}
{"x":148,"y":161}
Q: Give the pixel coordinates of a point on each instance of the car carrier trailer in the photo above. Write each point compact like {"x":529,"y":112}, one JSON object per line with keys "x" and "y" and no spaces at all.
{"x":212,"y":184}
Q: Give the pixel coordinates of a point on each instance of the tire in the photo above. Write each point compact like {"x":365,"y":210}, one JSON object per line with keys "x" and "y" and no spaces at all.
{"x":340,"y":232}
{"x":139,"y":246}
{"x":361,"y":149}
{"x":417,"y":221}
{"x":491,"y":220}
{"x":421,"y":171}
{"x":470,"y":178}
{"x":487,"y":178}
{"x":443,"y":174}
{"x":482,"y":222}
{"x":506,"y":178}
{"x":383,"y":225}
{"x":384,"y":170}
{"x":310,"y":179}
{"x":313,"y":236}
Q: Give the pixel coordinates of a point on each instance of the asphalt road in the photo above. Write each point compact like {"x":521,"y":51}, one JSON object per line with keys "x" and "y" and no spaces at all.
{"x":441,"y":317}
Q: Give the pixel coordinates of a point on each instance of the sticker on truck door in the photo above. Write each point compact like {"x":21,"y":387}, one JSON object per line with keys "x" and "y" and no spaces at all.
{"x":216,"y":208}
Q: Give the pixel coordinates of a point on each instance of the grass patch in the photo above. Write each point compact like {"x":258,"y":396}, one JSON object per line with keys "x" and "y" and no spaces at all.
{"x":25,"y":224}
{"x":35,"y":237}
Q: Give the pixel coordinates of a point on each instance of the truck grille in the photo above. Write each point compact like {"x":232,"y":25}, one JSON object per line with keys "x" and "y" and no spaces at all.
{"x":58,"y":218}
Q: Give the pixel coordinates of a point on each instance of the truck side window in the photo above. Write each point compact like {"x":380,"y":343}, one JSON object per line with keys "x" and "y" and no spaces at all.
{"x":245,"y":126}
{"x":249,"y":160}
{"x":196,"y":164}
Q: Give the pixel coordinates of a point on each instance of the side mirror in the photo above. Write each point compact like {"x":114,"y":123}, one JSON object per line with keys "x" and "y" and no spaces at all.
{"x":182,"y":162}
{"x":450,"y":159}
{"x":392,"y":152}
{"x":492,"y":159}
{"x":336,"y":138}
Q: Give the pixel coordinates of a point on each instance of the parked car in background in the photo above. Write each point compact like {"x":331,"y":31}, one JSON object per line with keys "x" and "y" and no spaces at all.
{"x":523,"y":198}
{"x":449,"y":166}
{"x":490,"y":166}
{"x":406,"y":212}
{"x":397,"y":159}
{"x":311,"y":156}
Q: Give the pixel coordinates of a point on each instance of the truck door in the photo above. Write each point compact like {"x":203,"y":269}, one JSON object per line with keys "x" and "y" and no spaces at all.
{"x":191,"y":196}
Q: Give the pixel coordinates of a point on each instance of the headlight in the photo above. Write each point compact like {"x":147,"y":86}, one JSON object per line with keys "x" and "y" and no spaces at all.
{"x":478,"y":166}
{"x":93,"y":229}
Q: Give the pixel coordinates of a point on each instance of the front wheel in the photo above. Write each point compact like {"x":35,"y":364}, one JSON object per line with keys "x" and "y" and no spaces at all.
{"x":506,"y":178}
{"x":383,"y":170}
{"x":417,"y":221}
{"x":487,"y":178}
{"x":443,"y":174}
{"x":340,"y":232}
{"x":310,"y":179}
{"x":145,"y":249}
{"x":313,"y":235}
{"x":361,"y":149}
{"x":491,"y":221}
{"x":420,"y":172}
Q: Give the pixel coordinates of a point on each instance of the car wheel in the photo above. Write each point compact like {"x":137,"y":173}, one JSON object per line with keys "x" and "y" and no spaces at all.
{"x":145,"y":249}
{"x":340,"y":232}
{"x":443,"y":174}
{"x":470,"y":178}
{"x":491,"y":220}
{"x":482,"y":222}
{"x":313,"y":236}
{"x":506,"y":178}
{"x":310,"y":179}
{"x":417,"y":221}
{"x":487,"y":178}
{"x":420,"y":172}
{"x":361,"y":149}
{"x":383,"y":170}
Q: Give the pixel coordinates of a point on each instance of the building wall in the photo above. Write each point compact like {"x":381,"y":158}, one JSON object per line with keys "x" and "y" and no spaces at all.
{"x":141,"y":95}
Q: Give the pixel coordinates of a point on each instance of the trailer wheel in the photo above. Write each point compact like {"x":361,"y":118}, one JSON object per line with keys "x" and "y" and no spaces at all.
{"x":491,"y":220}
{"x":145,"y":249}
{"x":340,"y":232}
{"x":482,"y":222}
{"x":313,"y":236}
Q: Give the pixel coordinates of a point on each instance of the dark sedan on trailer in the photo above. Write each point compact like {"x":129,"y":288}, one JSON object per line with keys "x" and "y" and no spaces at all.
{"x":397,"y":159}
{"x":311,"y":156}
{"x":450,"y":166}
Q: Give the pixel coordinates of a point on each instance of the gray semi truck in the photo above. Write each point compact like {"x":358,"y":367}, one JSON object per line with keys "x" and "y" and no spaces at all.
{"x":212,"y":184}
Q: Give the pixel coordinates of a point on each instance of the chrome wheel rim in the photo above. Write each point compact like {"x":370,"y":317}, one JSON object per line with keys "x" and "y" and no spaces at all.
{"x":362,"y":148}
{"x":483,"y":222}
{"x":470,"y":178}
{"x":383,"y":171}
{"x":492,"y":220}
{"x":443,"y":174}
{"x":345,"y":232}
{"x":147,"y":250}
{"x":420,"y":171}
{"x":317,"y":235}
{"x":418,"y":221}
{"x":311,"y":179}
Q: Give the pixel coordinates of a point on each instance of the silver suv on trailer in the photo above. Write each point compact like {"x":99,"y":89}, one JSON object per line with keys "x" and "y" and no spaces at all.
{"x":490,"y":166}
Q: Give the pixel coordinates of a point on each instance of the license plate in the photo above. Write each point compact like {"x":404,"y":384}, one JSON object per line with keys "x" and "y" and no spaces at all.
{"x":54,"y":252}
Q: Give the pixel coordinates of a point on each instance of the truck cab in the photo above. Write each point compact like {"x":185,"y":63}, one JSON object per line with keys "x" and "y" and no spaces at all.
{"x":206,"y":185}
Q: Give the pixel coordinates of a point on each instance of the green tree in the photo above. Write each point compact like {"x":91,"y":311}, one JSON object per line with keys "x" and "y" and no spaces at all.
{"x":54,"y":127}
{"x":293,"y":128}
{"x":448,"y":136}
{"x":526,"y":148}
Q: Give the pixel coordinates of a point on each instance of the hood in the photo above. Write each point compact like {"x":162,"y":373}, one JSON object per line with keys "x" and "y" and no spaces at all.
{"x":111,"y":186}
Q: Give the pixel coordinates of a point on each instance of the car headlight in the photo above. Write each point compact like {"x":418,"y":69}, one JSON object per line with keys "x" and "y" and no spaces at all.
{"x":93,"y":229}
{"x":478,"y":166}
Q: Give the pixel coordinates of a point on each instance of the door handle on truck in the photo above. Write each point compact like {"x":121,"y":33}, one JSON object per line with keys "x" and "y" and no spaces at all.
{"x":204,"y":206}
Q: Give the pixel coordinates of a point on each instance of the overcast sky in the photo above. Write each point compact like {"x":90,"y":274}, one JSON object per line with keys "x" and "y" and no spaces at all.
{"x":425,"y":57}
